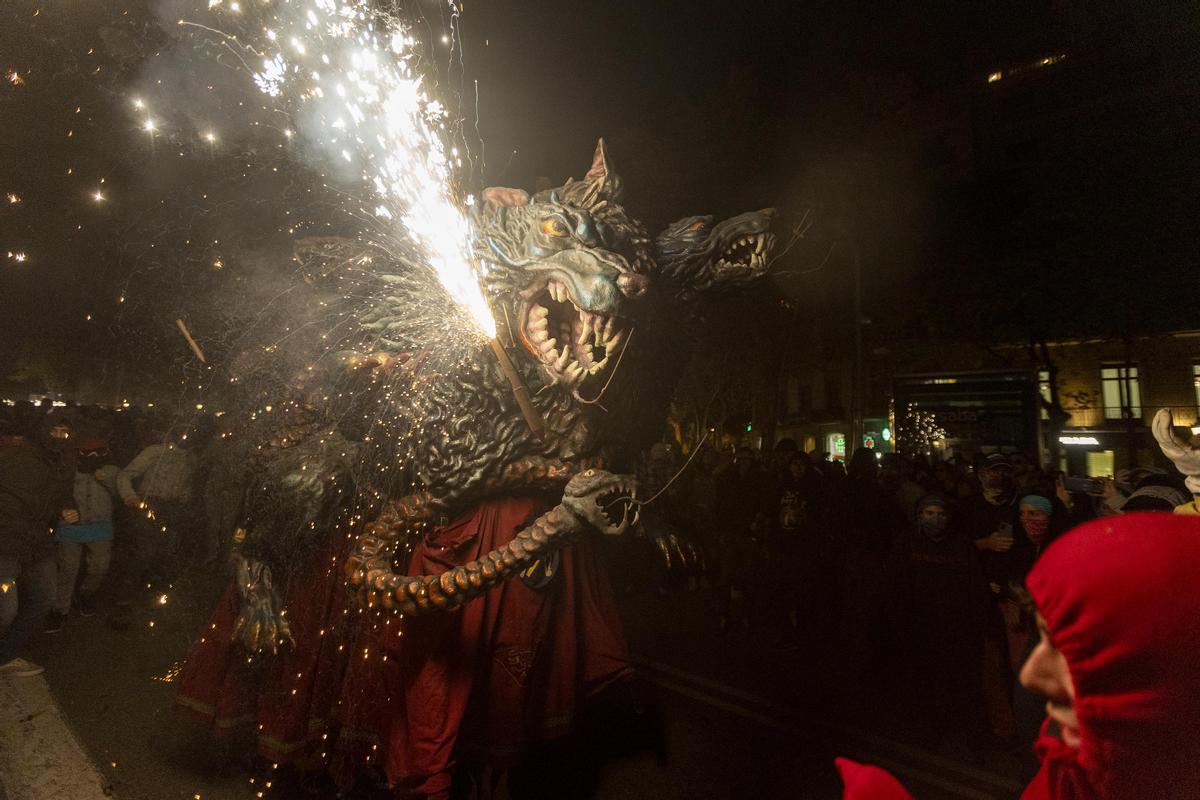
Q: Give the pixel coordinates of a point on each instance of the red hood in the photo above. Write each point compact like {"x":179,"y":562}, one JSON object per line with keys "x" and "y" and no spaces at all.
{"x":1121,"y":598}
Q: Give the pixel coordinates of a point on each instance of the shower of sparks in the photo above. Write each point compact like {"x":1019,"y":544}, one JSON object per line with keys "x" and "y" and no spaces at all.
{"x":171,"y":675}
{"x":13,"y":198}
{"x":98,"y":196}
{"x":348,"y":78}
{"x":18,"y":256}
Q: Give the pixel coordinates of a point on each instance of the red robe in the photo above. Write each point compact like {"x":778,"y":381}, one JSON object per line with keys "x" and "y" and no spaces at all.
{"x":506,"y":670}
{"x":482,"y":682}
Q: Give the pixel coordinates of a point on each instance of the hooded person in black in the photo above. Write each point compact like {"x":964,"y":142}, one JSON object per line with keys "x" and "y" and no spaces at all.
{"x":936,"y":602}
{"x":867,"y":520}
{"x":35,"y":494}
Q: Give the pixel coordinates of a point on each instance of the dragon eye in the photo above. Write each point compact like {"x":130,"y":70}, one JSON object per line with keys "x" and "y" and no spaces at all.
{"x":698,"y":227}
{"x":554,"y":226}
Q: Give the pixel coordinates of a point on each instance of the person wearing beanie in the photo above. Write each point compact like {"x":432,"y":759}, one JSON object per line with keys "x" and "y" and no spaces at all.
{"x":936,"y":603}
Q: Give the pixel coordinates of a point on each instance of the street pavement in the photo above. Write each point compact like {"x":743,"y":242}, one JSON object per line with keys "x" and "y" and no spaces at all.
{"x":737,"y":718}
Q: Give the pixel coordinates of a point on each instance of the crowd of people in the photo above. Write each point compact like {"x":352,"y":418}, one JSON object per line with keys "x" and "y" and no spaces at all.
{"x":74,"y":482}
{"x":927,"y":578}
{"x":915,"y":571}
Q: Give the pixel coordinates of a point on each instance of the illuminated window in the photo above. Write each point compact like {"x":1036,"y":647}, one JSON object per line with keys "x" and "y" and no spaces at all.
{"x":1044,"y":390}
{"x":1100,"y":464}
{"x":1196,"y":382}
{"x":1121,"y":389}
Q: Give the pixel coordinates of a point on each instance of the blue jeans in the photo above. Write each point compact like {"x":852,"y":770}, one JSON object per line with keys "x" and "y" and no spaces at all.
{"x":31,"y":589}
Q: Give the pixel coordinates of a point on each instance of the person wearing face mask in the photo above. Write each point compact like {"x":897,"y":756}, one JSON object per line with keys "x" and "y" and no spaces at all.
{"x":87,"y":541}
{"x":936,"y":602}
{"x":1118,"y":612}
{"x":35,"y":493}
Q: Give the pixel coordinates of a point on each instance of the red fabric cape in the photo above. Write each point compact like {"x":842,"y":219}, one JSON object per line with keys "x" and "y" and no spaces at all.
{"x":482,"y":682}
{"x":506,"y":670}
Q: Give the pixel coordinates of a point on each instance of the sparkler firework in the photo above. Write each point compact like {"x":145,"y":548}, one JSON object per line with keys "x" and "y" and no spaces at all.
{"x":347,"y":77}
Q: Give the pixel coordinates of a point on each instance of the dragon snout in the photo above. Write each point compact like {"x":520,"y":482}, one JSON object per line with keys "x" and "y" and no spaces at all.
{"x":633,"y":285}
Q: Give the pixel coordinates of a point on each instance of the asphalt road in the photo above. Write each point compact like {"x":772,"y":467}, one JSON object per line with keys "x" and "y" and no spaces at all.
{"x":736,"y":719}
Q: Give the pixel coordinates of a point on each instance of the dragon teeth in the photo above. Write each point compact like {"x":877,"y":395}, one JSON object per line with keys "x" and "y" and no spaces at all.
{"x":561,"y":363}
{"x":585,"y":328}
{"x":539,"y":312}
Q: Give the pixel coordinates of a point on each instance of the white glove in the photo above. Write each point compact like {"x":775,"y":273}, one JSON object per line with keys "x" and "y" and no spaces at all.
{"x":1185,"y":456}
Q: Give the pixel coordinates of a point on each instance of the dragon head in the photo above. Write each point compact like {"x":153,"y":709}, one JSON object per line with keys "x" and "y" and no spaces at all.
{"x":569,"y":266}
{"x":605,"y":501}
{"x":697,"y":256}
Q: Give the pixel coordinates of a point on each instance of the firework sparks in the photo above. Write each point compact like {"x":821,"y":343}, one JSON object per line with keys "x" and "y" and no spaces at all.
{"x":348,"y":79}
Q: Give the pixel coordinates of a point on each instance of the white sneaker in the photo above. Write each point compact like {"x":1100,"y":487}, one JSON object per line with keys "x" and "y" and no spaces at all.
{"x":20,"y":668}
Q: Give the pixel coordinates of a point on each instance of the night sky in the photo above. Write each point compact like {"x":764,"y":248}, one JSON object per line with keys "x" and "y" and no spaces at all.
{"x":866,"y":116}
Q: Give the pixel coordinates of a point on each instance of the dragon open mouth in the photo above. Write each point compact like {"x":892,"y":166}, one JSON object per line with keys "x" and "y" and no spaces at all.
{"x":571,"y":343}
{"x":749,"y":251}
{"x":619,"y":507}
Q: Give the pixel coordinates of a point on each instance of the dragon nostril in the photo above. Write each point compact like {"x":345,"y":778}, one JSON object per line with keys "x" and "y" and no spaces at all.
{"x":632,"y":285}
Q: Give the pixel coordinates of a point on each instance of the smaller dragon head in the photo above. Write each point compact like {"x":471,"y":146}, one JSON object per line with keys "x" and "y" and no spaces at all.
{"x":697,"y":256}
{"x":605,"y":501}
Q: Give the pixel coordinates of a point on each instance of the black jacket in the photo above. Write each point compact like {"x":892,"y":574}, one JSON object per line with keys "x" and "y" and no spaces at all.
{"x":34,"y":490}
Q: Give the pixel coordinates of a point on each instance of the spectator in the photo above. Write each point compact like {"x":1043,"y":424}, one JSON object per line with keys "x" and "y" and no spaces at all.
{"x":936,"y":603}
{"x":741,"y":516}
{"x":791,"y":547}
{"x":870,"y":521}
{"x":1116,"y":602}
{"x":35,"y":493}
{"x":88,"y":540}
{"x":989,"y":524}
{"x":894,"y":476}
{"x":700,"y":509}
{"x":157,"y":485}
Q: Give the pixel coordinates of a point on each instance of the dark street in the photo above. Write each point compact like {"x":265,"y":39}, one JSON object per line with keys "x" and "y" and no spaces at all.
{"x":116,"y":690}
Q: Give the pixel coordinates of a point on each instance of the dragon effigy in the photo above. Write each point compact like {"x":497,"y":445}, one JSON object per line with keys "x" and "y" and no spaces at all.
{"x":415,"y":579}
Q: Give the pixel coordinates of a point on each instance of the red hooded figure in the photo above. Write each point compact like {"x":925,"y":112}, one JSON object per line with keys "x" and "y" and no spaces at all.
{"x":1120,"y":598}
{"x":1121,"y":601}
